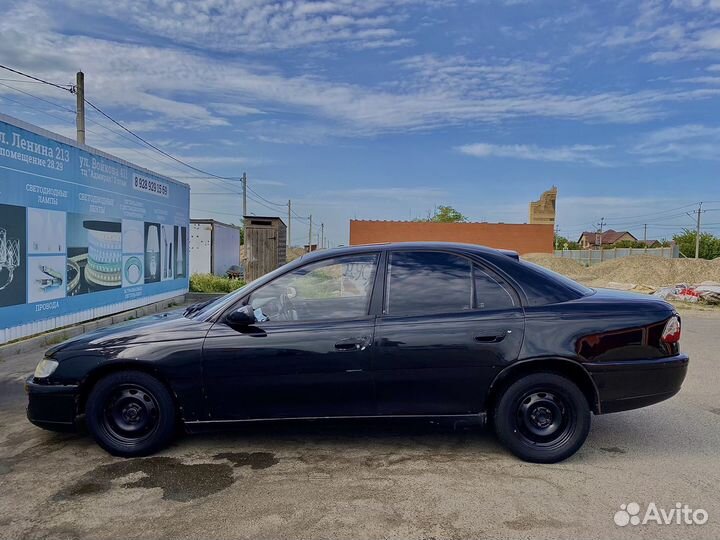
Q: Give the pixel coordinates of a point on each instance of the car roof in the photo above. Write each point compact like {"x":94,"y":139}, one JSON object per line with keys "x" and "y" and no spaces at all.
{"x":386,"y":246}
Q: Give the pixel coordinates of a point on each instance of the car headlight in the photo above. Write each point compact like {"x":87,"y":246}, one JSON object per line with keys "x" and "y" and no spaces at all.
{"x":45,"y":368}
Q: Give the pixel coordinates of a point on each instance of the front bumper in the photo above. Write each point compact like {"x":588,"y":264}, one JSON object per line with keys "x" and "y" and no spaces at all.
{"x":637,"y":383}
{"x":50,"y":406}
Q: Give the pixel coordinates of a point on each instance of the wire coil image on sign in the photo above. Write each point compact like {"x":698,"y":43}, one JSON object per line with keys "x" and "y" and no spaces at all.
{"x":94,"y":256}
{"x":104,"y":254}
{"x":132,"y":270}
{"x":12,"y":255}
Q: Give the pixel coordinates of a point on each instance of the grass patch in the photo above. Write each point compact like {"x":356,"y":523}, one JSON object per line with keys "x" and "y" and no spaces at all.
{"x":57,"y":339}
{"x":208,"y":283}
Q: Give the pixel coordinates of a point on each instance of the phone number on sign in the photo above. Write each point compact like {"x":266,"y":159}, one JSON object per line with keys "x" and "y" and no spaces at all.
{"x":150,"y":186}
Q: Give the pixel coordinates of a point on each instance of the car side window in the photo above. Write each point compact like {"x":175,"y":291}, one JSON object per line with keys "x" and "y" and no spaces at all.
{"x":337,"y":288}
{"x":489,"y":293}
{"x":420,"y":282}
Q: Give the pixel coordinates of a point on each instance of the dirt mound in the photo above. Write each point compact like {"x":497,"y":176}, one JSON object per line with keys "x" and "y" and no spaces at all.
{"x":567,"y":267}
{"x":645,"y":270}
{"x":655,"y":271}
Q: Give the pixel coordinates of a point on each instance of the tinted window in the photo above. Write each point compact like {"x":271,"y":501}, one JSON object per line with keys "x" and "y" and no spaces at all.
{"x":489,"y":294}
{"x":428,"y":282}
{"x":543,"y":286}
{"x":337,"y":288}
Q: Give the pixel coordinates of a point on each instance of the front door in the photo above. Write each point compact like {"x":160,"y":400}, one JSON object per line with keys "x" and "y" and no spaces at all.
{"x":448,"y":326}
{"x":308,"y":354}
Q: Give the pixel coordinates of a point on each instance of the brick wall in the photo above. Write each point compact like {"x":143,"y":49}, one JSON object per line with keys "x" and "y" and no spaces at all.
{"x":522,"y":238}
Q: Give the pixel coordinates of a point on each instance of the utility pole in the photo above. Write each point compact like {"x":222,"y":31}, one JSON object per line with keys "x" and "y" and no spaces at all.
{"x":310,"y":235}
{"x":289,"y":234}
{"x":244,"y":182}
{"x":598,"y":234}
{"x":697,"y":231}
{"x":645,"y":237}
{"x":80,"y":106}
{"x":322,"y":235}
{"x":598,"y":237}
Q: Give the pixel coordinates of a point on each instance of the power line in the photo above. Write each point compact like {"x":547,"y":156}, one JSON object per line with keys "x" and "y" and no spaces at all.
{"x":54,"y":103}
{"x":21,"y":81}
{"x":65,"y":109}
{"x":68,"y":87}
{"x":151,"y":145}
{"x":210,"y":176}
{"x":34,"y":108}
{"x":284,"y":205}
{"x":659,"y":213}
{"x":71,"y":88}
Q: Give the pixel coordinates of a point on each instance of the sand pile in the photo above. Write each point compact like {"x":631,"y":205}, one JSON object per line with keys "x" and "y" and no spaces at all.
{"x":654,"y":271}
{"x":566,"y":267}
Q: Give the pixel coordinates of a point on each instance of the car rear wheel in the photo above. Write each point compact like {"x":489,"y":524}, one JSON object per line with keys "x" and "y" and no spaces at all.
{"x":130,"y":413}
{"x":542,"y":418}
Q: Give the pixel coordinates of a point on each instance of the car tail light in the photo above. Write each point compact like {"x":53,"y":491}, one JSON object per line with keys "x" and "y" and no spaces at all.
{"x":671,"y":332}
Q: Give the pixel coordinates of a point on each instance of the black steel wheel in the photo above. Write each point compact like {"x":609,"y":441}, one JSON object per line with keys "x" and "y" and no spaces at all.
{"x":543,"y":418}
{"x":130,"y":413}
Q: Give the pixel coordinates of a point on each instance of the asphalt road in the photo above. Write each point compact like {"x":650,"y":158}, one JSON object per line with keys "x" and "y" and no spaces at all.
{"x":370,"y":479}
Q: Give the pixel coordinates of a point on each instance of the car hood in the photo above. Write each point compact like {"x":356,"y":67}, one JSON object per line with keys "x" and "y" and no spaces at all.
{"x":169,"y":326}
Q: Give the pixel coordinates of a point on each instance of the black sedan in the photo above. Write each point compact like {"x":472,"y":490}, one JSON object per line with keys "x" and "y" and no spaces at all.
{"x":393,"y":330}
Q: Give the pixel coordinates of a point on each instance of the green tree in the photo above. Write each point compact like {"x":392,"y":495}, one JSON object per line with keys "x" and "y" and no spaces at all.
{"x":709,"y":244}
{"x":562,"y":242}
{"x":635,"y":244}
{"x":445,"y":214}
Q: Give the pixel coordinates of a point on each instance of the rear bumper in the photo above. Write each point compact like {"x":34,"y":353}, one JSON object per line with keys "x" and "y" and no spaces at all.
{"x":637,"y":383}
{"x":51,"y":406}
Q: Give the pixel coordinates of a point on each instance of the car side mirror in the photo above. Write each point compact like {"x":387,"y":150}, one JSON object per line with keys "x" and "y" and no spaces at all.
{"x":244,"y":316}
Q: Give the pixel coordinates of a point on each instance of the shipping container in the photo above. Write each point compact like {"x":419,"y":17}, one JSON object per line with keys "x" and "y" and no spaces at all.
{"x":214,"y":247}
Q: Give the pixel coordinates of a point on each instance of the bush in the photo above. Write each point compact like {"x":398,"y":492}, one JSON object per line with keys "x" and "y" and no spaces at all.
{"x":709,"y":244}
{"x":208,"y":283}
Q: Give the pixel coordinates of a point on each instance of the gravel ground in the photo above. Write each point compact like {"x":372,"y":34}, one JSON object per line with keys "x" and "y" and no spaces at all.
{"x":369,"y":479}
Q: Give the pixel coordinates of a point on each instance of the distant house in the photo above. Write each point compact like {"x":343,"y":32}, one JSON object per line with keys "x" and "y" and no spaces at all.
{"x":607,"y":238}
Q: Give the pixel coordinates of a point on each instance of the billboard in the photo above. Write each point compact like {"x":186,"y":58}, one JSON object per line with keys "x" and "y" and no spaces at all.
{"x":80,"y":229}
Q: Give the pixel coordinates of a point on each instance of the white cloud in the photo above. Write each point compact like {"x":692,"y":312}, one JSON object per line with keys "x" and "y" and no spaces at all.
{"x":579,"y":153}
{"x":697,"y":4}
{"x":163,"y":84}
{"x":680,"y":30}
{"x":395,"y":193}
{"x":234,"y":109}
{"x":708,"y":39}
{"x":689,"y":141}
{"x":261,"y":25}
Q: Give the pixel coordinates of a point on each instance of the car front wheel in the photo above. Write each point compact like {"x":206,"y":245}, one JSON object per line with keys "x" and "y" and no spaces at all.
{"x":130,"y":413}
{"x":542,"y":418}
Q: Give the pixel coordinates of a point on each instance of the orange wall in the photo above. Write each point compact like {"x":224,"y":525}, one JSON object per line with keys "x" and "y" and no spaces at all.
{"x":522,"y":238}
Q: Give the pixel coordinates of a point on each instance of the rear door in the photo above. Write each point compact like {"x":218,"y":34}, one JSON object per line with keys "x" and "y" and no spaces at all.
{"x":447,"y":326}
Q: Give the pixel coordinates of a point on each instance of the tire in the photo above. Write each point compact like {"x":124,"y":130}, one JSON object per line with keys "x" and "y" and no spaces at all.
{"x":130,"y":414}
{"x":542,"y":418}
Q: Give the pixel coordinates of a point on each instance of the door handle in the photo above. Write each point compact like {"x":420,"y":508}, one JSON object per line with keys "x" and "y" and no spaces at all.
{"x":493,"y":338}
{"x":352,"y":344}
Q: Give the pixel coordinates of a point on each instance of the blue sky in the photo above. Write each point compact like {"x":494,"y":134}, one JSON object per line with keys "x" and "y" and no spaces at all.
{"x":382,"y":109}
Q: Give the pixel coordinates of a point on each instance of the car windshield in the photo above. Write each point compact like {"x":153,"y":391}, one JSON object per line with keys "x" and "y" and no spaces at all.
{"x":568,"y":283}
